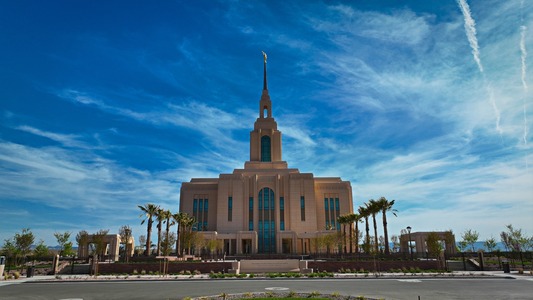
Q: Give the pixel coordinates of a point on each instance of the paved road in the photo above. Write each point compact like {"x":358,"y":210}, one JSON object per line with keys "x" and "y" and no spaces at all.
{"x":485,"y":288}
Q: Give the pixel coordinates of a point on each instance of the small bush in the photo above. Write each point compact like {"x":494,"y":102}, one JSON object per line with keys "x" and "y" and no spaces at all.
{"x":291,"y":294}
{"x":135,"y":272}
{"x":314,"y":294}
{"x":143,"y":272}
{"x":16,"y":275}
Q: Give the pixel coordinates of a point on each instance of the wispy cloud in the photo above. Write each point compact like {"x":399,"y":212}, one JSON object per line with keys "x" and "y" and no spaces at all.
{"x":68,"y":178}
{"x":68,"y":140}
{"x":217,"y":125}
{"x":399,"y":27}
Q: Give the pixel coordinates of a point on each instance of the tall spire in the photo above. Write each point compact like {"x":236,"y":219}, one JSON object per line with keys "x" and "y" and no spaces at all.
{"x":265,"y":71}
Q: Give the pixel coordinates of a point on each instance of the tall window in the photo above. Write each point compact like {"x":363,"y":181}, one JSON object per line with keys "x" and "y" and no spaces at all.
{"x":265,"y":148}
{"x":200,"y":208}
{"x":332,"y":211}
{"x":251,"y":214}
{"x":230,"y":208}
{"x":266,"y":227}
{"x":302,"y":208}
{"x":281,"y":213}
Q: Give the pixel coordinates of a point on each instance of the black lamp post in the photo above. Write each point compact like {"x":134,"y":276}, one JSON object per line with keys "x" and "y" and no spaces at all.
{"x":410,"y":247}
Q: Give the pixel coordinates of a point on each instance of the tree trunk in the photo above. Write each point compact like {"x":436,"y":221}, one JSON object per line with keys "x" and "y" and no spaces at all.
{"x":376,"y":242}
{"x":167,"y":245}
{"x":386,"y":233}
{"x":344,"y":236}
{"x":356,"y":236}
{"x":148,"y":239}
{"x":350,"y":237}
{"x":158,"y":250}
{"x":178,"y":240}
{"x":367,"y":237}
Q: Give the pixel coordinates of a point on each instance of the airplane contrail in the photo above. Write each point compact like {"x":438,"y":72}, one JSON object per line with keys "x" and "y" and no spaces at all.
{"x":470,"y":29}
{"x":523,"y":52}
{"x":495,"y":108}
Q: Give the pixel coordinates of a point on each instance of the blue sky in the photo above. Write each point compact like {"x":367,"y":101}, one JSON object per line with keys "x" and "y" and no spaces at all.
{"x":105,"y":105}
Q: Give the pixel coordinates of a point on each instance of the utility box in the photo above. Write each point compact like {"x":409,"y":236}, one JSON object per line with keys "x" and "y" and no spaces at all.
{"x":506,"y":267}
{"x":30,"y":271}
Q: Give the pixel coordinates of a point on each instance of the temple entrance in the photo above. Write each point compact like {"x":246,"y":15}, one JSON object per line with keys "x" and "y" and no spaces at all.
{"x":246,"y":246}
{"x":286,"y":246}
{"x":230,"y":246}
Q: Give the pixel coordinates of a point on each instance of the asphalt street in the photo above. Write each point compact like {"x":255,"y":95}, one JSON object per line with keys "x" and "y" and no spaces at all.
{"x":406,"y":288}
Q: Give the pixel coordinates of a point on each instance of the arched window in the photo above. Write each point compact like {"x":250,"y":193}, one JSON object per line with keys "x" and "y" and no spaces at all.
{"x":266,"y":232}
{"x":265,"y":148}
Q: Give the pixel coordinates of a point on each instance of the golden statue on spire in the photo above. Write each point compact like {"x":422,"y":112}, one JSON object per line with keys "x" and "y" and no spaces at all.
{"x":264,"y":56}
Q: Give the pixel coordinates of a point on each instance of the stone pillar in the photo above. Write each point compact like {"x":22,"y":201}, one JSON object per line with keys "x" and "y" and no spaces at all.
{"x":480,"y":256}
{"x":55,"y":264}
{"x":235,"y":267}
{"x":2,"y":266}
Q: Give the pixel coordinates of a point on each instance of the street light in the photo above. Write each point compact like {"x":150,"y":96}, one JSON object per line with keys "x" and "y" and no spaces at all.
{"x":410,"y":247}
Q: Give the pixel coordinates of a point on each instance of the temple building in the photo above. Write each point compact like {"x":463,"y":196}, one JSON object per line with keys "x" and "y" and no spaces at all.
{"x":266,"y":207}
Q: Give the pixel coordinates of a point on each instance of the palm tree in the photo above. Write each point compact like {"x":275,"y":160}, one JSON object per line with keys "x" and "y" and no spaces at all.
{"x":160,"y":217}
{"x":148,"y":212}
{"x":385,"y":206}
{"x":354,"y":218}
{"x":343,"y":220}
{"x":374,"y":209}
{"x":185,"y":223}
{"x":178,"y":217}
{"x":168,"y":216}
{"x":188,"y":223}
{"x":365,"y":213}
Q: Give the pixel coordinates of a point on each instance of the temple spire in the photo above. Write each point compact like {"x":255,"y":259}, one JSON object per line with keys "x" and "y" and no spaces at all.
{"x":265,"y":87}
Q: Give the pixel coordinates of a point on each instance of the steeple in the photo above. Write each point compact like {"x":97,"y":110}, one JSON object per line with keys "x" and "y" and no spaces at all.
{"x":265,"y":87}
{"x":265,"y":139}
{"x":265,"y":106}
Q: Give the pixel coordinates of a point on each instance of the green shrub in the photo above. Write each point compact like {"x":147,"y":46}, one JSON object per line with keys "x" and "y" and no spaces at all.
{"x":291,"y":294}
{"x":314,"y":294}
{"x":16,"y":275}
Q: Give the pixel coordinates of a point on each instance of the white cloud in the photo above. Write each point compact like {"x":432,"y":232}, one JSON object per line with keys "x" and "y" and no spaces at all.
{"x":69,"y":179}
{"x":399,"y":27}
{"x":68,"y":140}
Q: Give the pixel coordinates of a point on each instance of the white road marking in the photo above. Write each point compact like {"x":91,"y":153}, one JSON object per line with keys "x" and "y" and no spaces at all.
{"x":276,"y":288}
{"x":410,"y":280}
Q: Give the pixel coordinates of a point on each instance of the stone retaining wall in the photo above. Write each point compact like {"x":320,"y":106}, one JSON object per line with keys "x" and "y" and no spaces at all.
{"x":207,"y":267}
{"x":335,"y":266}
{"x":173,"y":268}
